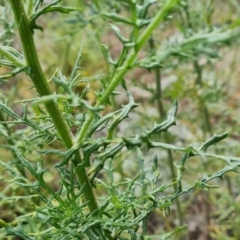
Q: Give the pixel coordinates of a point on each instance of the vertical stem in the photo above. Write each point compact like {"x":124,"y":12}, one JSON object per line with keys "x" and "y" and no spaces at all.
{"x":205,"y":113}
{"x":35,"y":72}
{"x":121,"y":71}
{"x":203,"y":106}
{"x":161,"y":112}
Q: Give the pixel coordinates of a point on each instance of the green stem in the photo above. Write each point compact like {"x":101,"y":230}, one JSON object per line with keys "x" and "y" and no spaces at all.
{"x":161,"y":112}
{"x":120,"y":73}
{"x":203,"y":107}
{"x":36,"y":74}
{"x":204,"y":110}
{"x":134,"y":52}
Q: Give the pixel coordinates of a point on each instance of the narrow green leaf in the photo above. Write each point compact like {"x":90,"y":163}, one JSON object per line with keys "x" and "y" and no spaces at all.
{"x":119,"y":34}
{"x":107,"y":55}
{"x":116,"y":17}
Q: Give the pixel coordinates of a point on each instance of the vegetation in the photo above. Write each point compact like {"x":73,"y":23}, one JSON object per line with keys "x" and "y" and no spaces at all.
{"x":93,"y":145}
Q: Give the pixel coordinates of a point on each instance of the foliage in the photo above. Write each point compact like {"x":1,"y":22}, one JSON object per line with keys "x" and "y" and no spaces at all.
{"x":62,"y":150}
